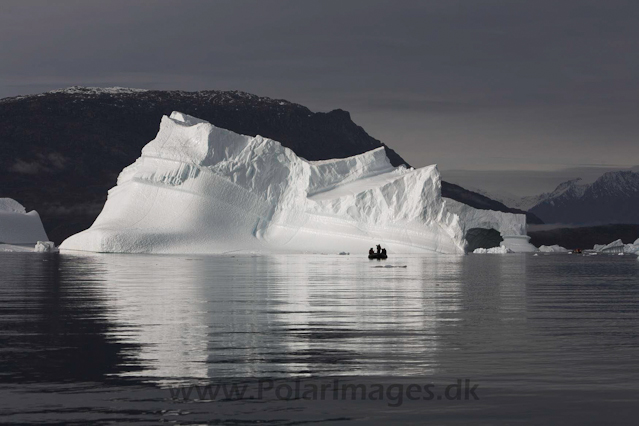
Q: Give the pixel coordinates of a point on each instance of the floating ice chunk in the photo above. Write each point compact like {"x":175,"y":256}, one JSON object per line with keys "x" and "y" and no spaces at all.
{"x":617,"y":246}
{"x":493,"y":250}
{"x":46,"y":247}
{"x":553,"y":249}
{"x":518,"y":243}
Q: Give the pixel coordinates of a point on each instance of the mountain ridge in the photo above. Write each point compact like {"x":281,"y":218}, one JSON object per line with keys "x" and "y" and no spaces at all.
{"x":612,"y":198}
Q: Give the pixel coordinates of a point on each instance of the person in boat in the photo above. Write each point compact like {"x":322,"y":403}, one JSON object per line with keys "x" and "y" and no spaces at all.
{"x":371,"y":252}
{"x":379,"y":248}
{"x":383,"y":252}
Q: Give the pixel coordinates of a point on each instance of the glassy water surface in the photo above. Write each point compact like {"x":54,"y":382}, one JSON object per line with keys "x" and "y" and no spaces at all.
{"x":108,"y":338}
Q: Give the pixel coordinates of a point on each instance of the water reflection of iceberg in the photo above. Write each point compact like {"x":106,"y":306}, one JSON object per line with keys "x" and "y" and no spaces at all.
{"x":211,"y":317}
{"x":349,"y":317}
{"x":156,"y":304}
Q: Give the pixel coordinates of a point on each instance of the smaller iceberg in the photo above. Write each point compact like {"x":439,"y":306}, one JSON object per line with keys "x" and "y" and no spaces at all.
{"x":493,"y":250}
{"x":518,"y":244}
{"x":20,"y":230}
{"x":618,"y":246}
{"x":45,"y":247}
{"x":553,"y":249}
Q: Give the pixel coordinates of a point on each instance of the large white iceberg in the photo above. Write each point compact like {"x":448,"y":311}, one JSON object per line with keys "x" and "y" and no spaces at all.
{"x":198,"y":188}
{"x":17,"y":226}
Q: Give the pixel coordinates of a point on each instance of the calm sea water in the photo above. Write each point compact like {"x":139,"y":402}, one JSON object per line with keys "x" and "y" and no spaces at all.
{"x":124,"y":338}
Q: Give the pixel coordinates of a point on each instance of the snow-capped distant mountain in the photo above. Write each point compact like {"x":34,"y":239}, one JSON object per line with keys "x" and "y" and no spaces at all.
{"x":571,"y":189}
{"x":613,"y":198}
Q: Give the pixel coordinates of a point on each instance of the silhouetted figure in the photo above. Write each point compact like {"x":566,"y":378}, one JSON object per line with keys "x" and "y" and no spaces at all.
{"x":384,"y":252}
{"x":371,"y":252}
{"x":379,"y":249}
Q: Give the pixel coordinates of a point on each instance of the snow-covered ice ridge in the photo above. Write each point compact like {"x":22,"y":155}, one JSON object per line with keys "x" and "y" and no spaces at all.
{"x":198,"y":188}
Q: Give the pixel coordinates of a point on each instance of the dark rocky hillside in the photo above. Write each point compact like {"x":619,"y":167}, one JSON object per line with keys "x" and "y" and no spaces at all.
{"x":63,"y":150}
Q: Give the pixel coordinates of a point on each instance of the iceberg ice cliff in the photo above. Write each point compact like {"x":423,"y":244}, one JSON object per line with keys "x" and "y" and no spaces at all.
{"x":198,"y":188}
{"x":17,"y":226}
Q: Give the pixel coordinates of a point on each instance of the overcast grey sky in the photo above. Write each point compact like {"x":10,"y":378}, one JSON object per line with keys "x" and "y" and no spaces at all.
{"x":479,"y":84}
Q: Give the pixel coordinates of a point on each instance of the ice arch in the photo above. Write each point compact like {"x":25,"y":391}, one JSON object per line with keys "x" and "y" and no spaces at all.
{"x":482,"y":238}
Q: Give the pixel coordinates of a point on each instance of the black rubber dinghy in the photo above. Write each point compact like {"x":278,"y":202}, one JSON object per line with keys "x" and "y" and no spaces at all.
{"x":377,"y":256}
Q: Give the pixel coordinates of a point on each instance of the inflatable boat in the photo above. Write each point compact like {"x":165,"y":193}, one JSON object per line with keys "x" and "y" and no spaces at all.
{"x":377,"y":256}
